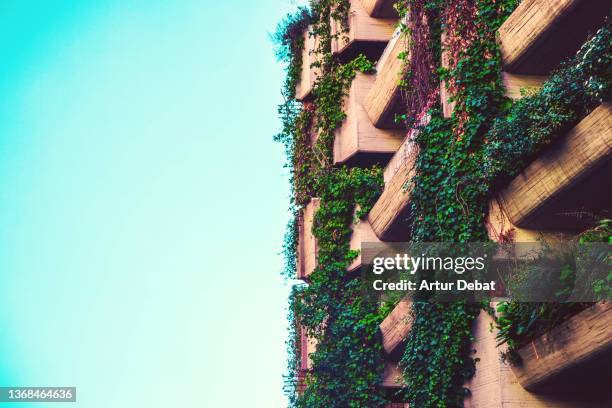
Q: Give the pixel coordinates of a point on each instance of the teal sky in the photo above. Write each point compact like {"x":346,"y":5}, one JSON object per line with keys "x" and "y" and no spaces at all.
{"x":142,"y":202}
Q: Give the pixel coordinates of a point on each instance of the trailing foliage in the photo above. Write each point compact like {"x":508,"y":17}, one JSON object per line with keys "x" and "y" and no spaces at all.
{"x":437,"y":359}
{"x":462,"y":159}
{"x":289,"y":41}
{"x":518,"y":323}
{"x":602,"y":232}
{"x":447,"y":206}
{"x":348,"y":361}
{"x":293,"y":379}
{"x":575,"y":89}
{"x":448,"y":199}
{"x":532,"y":123}
{"x":329,"y":95}
{"x":421,"y":30}
{"x":486,"y":142}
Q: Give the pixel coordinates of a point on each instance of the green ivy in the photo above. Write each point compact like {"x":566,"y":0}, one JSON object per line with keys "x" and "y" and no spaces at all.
{"x":518,"y":323}
{"x":462,"y":160}
{"x":447,"y":205}
{"x":437,"y":360}
{"x":289,"y":41}
{"x":575,"y":89}
{"x":348,"y":361}
{"x":602,"y":232}
{"x":329,"y":94}
{"x":571,"y":93}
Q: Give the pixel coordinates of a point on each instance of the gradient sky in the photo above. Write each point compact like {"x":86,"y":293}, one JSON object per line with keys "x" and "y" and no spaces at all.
{"x":142,"y":202}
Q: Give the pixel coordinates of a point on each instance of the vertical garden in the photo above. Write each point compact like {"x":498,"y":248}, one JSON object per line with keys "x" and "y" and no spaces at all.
{"x":463,"y":158}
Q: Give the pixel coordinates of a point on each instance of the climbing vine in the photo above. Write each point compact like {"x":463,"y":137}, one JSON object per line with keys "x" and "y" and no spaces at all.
{"x":447,"y":206}
{"x":289,"y":41}
{"x":487,"y":141}
{"x":293,"y":379}
{"x":575,"y":89}
{"x":420,"y":28}
{"x":348,"y":362}
{"x":571,"y":93}
{"x":463,"y":157}
{"x":518,"y":323}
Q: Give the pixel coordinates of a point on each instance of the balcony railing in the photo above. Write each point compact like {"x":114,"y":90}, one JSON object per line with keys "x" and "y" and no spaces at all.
{"x":566,"y":179}
{"x":395,"y":329}
{"x":575,"y":355}
{"x":366,"y":35}
{"x":307,"y":243}
{"x":380,"y":8}
{"x":357,"y":141}
{"x":494,"y":384}
{"x":390,"y":217}
{"x":309,"y":73}
{"x":361,"y":233}
{"x":384,"y":101}
{"x":540,"y":34}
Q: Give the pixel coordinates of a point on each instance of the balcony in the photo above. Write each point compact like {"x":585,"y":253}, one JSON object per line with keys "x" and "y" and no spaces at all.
{"x":501,"y":229}
{"x":395,"y":328}
{"x":307,"y":244}
{"x":380,"y":8}
{"x":357,"y":142}
{"x":390,"y":216}
{"x":566,"y":179}
{"x":309,"y":73}
{"x":300,"y":385}
{"x":494,"y":385}
{"x":384,"y":100}
{"x":307,"y":346}
{"x":541,"y":33}
{"x":366,"y":35}
{"x":362,"y":233}
{"x":516,"y":85}
{"x":575,"y":355}
{"x":391,"y":382}
{"x":393,"y":377}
